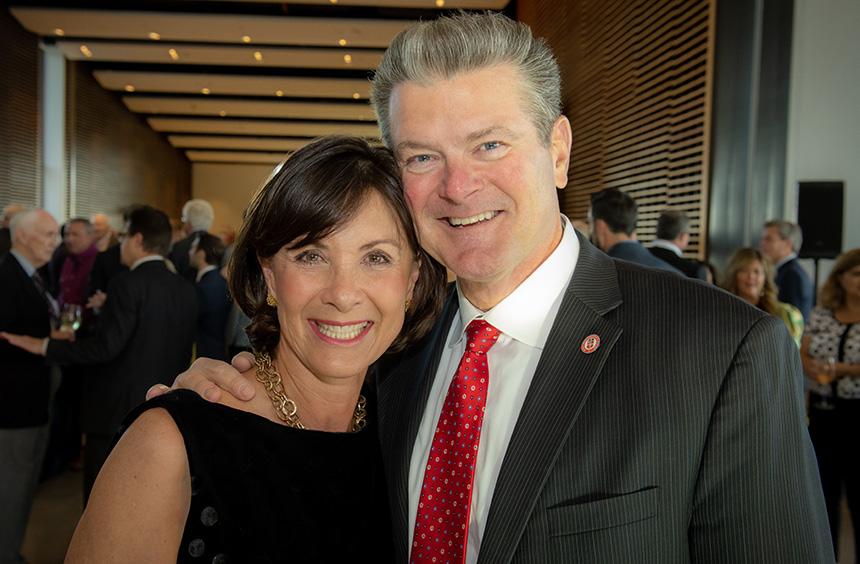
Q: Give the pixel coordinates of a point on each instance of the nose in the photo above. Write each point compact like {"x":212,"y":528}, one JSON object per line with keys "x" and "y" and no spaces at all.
{"x":343,"y":290}
{"x":458,"y":181}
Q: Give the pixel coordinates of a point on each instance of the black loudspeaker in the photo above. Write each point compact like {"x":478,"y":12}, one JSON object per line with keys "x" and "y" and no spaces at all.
{"x":819,"y":214}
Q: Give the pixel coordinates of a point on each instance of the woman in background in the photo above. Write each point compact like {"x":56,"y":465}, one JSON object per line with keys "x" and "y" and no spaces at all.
{"x":750,"y":275}
{"x":830,"y":351}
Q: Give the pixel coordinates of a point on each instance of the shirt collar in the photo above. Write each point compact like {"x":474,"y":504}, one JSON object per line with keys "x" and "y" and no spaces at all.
{"x":522,"y":314}
{"x":784,"y":260}
{"x":668,"y":245}
{"x":148,"y":258}
{"x":25,"y":264}
{"x":203,"y":271}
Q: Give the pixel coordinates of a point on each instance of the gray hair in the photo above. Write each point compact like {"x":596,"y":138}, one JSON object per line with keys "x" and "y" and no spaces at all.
{"x":787,"y":230}
{"x":199,"y":214}
{"x":449,"y":46}
{"x":671,"y":224}
{"x":23,"y":220}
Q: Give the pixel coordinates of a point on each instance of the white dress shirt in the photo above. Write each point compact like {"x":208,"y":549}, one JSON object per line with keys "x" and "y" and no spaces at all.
{"x":669,"y":245}
{"x":524,"y":318}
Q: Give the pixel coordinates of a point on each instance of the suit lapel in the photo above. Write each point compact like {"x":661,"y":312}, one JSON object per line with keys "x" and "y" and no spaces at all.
{"x":403,"y":387}
{"x":564,"y":377}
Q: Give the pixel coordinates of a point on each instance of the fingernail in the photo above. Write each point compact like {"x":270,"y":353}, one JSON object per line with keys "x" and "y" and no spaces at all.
{"x":207,"y":393}
{"x":245,"y":390}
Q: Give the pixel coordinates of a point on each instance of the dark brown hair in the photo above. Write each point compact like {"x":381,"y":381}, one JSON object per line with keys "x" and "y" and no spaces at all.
{"x":318,"y":189}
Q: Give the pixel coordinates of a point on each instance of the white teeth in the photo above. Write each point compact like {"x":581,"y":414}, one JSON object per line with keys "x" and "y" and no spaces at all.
{"x":342,"y":332}
{"x":458,"y":221}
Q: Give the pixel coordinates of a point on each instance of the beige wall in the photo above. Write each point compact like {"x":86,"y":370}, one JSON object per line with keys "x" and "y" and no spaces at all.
{"x":229,"y":188}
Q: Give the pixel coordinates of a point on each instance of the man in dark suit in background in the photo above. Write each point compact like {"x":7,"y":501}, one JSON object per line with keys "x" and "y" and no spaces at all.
{"x":107,"y":264}
{"x":144,"y":335}
{"x":25,"y":307}
{"x":213,"y":298}
{"x":197,"y":217}
{"x":780,"y":241}
{"x":673,"y":236}
{"x":632,"y":415}
{"x":612,"y":217}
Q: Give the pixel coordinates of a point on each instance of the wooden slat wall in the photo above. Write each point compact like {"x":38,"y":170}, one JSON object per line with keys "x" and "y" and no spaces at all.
{"x":636,"y":86}
{"x":20,"y":151}
{"x":115,"y":158}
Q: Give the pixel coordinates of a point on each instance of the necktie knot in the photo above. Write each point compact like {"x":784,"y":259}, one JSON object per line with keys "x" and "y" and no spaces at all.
{"x":480,"y":336}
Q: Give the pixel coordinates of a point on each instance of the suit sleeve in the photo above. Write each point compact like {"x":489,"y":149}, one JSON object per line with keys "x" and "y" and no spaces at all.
{"x":117,"y":323}
{"x":758,"y":495}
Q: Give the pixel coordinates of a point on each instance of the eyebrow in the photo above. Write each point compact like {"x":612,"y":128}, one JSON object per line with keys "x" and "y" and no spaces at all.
{"x":378,"y":242}
{"x":366,"y":246}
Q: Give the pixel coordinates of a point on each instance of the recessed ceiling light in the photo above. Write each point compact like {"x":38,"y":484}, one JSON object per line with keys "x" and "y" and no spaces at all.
{"x":341,"y":42}
{"x":206,"y":91}
{"x":59,"y":32}
{"x":246,"y":38}
{"x":86,"y":51}
{"x":155,"y":36}
{"x":222,"y":113}
{"x":173,"y":54}
{"x":440,"y":3}
{"x":258,"y":55}
{"x":333,"y":1}
{"x":279,"y":93}
{"x":347,"y":59}
{"x":129,"y":88}
{"x":356,"y":95}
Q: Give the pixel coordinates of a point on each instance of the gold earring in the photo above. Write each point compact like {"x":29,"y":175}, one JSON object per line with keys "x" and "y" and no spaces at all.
{"x":408,"y":305}
{"x":271,"y":301}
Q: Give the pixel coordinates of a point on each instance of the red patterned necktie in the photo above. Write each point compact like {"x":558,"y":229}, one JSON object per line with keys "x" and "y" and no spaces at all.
{"x":442,"y":524}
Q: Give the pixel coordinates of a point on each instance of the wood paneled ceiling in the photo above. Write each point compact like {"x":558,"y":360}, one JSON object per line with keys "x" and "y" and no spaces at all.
{"x":236,"y":81}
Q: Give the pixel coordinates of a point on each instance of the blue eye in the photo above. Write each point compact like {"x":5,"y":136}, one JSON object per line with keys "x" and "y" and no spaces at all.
{"x":490,"y":145}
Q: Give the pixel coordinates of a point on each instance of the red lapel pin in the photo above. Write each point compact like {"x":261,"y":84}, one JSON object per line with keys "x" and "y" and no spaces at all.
{"x":590,"y":344}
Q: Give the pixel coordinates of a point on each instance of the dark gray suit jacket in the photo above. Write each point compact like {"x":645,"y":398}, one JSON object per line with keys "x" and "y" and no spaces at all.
{"x":682,"y":438}
{"x":24,"y":377}
{"x":145,"y":333}
{"x":795,"y":287}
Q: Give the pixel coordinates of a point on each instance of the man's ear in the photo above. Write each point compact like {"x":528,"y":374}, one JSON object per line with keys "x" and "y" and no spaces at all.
{"x":560,"y":142}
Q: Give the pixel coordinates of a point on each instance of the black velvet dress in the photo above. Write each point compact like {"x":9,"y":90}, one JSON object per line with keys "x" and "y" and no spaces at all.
{"x":264,"y":492}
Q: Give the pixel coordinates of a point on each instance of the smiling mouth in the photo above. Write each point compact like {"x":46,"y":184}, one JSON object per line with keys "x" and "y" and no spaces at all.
{"x":342,"y":332}
{"x":466,"y":221}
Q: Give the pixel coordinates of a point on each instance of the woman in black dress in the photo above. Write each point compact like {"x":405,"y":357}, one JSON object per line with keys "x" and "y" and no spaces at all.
{"x":329,"y":270}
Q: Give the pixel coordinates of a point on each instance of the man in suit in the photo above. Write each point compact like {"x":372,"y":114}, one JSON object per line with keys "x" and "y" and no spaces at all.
{"x":25,"y":307}
{"x":780,"y":241}
{"x":197,"y":217}
{"x":213,"y":298}
{"x":632,"y":415}
{"x":673,"y":236}
{"x":105,"y":237}
{"x":612,"y":217}
{"x":144,"y":335}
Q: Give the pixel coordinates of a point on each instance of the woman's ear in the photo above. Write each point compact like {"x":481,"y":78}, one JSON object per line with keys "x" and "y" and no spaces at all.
{"x":413,"y":277}
{"x":266,"y":266}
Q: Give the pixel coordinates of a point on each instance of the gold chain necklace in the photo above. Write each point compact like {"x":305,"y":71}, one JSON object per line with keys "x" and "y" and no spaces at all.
{"x":284,"y":406}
